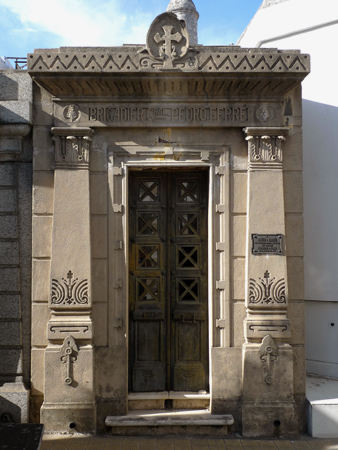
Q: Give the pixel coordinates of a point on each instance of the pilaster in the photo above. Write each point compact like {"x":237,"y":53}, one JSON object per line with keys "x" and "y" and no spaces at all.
{"x":69,"y":381}
{"x":267,"y":354}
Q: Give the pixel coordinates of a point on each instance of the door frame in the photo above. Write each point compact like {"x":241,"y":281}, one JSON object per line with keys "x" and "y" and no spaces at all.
{"x":122,"y":159}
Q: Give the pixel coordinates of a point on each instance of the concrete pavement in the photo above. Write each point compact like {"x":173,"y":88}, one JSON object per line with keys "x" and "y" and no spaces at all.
{"x":57,"y":442}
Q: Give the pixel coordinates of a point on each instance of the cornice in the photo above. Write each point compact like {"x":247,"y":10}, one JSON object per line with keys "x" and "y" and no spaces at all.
{"x":132,"y":71}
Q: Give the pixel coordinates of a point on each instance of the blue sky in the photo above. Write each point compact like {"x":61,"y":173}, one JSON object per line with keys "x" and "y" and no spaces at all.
{"x":29,"y":24}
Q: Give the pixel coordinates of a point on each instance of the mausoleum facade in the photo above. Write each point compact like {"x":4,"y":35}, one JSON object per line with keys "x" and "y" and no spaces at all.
{"x":167,"y":232}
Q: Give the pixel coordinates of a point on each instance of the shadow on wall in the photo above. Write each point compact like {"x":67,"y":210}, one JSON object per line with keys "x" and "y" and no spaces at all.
{"x":320,"y":157}
{"x":320,"y":200}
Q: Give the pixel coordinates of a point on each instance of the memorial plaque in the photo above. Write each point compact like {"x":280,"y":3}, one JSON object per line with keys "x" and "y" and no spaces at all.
{"x":267,"y":244}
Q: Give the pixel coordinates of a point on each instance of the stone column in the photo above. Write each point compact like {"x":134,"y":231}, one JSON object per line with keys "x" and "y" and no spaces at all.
{"x":268,"y":406}
{"x":69,"y":386}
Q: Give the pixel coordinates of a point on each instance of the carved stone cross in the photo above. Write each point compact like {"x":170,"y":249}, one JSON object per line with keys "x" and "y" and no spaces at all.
{"x":168,"y":48}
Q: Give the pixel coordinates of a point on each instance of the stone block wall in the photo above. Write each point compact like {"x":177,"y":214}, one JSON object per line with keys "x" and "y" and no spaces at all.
{"x":15,"y":244}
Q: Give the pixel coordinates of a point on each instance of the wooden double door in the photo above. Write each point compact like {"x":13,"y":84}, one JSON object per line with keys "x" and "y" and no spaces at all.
{"x":168,"y":292}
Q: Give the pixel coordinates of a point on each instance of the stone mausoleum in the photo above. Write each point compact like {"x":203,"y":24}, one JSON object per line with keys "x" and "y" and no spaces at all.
{"x":167,"y":232}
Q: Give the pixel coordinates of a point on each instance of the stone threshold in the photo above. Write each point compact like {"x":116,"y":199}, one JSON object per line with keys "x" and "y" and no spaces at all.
{"x":169,"y":395}
{"x":159,"y":418}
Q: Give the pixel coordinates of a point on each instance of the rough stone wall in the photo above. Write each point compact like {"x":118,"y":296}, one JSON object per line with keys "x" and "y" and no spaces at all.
{"x":15,"y":243}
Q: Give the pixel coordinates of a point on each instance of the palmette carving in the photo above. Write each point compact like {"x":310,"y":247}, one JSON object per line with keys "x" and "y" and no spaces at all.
{"x":70,"y":292}
{"x":268,"y":353}
{"x":267,"y":291}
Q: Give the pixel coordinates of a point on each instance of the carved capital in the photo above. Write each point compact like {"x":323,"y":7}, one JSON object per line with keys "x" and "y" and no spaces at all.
{"x":72,"y":147}
{"x":265,"y":147}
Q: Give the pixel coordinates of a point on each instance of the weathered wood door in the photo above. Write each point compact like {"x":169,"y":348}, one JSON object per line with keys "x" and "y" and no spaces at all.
{"x":168,"y":263}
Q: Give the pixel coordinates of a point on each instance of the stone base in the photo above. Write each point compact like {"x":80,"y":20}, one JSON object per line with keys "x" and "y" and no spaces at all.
{"x":69,"y":417}
{"x":269,"y":419}
{"x":14,"y":403}
{"x":322,"y":406}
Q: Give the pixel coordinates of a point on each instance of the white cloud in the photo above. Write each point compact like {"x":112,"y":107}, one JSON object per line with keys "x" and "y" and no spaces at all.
{"x":82,"y":22}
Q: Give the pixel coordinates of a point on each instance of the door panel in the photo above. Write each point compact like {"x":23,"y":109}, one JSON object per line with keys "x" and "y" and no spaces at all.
{"x":168,"y":281}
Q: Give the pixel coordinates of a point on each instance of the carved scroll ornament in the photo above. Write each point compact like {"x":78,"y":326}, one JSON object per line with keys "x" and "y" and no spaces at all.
{"x":268,"y":353}
{"x":69,"y":353}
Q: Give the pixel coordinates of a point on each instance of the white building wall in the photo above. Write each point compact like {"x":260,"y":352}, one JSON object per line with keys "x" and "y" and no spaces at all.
{"x":312,"y":27}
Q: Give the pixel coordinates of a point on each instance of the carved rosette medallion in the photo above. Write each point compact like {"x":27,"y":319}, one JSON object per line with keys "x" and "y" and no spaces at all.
{"x":267,"y":291}
{"x":167,"y":41}
{"x":268,"y":353}
{"x":69,"y":292}
{"x":71,"y":113}
{"x":265,"y":113}
{"x":72,"y":147}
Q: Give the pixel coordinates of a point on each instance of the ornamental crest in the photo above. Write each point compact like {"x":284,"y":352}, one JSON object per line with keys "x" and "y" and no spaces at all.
{"x":167,"y":39}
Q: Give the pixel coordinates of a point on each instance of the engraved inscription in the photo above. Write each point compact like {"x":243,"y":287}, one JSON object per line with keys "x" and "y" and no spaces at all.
{"x":267,"y":244}
{"x":228,"y":113}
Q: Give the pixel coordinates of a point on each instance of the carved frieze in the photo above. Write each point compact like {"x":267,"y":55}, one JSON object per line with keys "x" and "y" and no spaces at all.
{"x":268,"y":353}
{"x":69,"y":293}
{"x":140,"y":59}
{"x":267,"y":291}
{"x":72,"y":145}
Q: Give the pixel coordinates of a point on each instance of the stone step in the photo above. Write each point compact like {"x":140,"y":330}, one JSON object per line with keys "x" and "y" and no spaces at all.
{"x":165,"y":400}
{"x":161,"y":422}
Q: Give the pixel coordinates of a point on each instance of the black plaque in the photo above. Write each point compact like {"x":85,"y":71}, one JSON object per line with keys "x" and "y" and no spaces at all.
{"x":270,"y":244}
